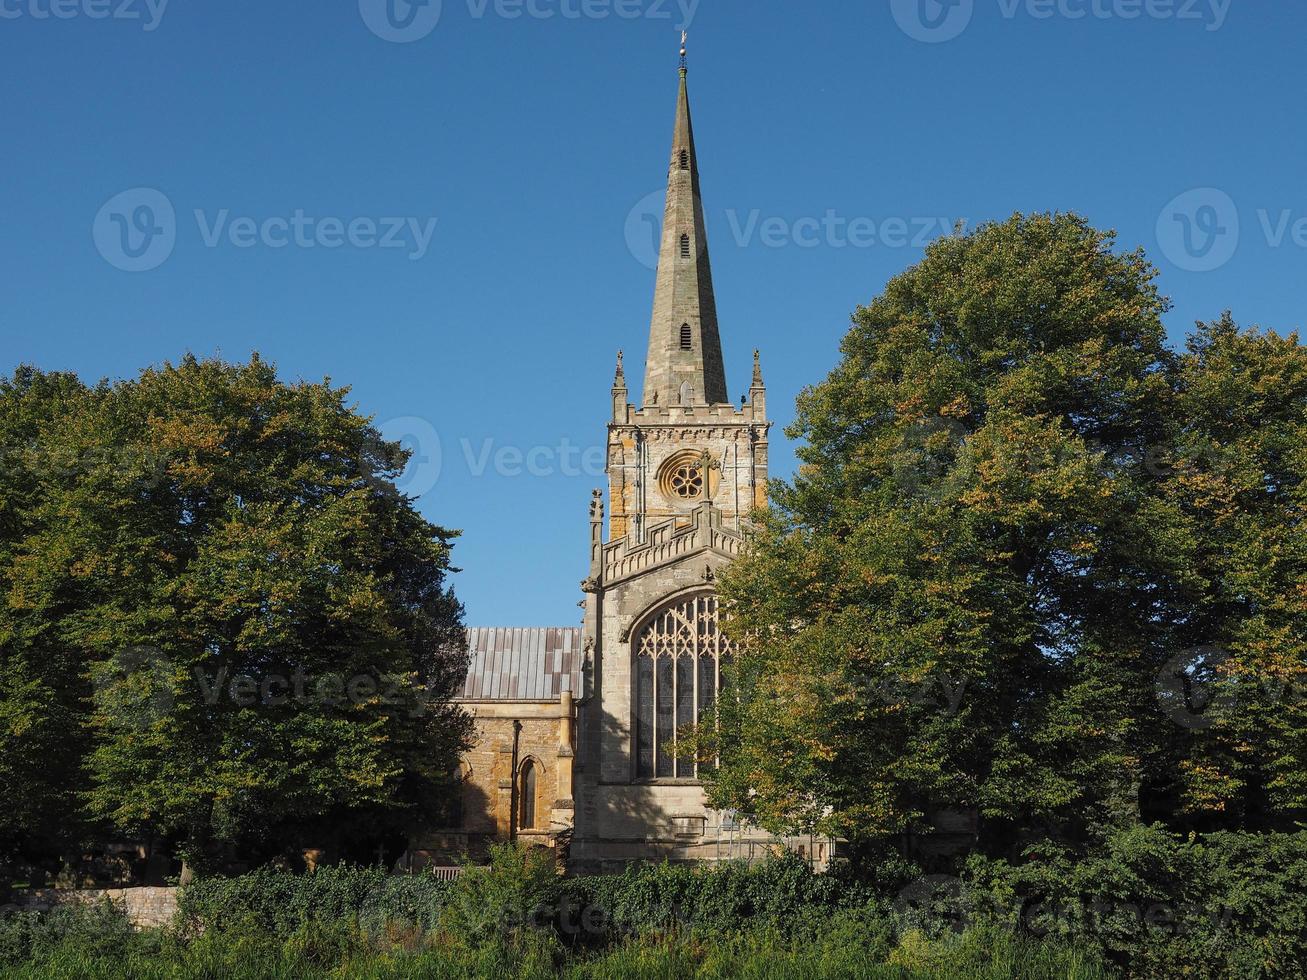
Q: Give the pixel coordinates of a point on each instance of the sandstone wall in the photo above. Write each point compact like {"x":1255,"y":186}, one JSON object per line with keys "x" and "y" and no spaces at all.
{"x":145,"y":907}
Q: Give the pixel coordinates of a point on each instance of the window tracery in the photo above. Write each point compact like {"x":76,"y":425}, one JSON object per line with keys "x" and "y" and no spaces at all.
{"x":679,"y":655}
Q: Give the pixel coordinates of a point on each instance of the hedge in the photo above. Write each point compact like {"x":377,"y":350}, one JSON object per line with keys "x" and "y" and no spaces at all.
{"x":1146,"y":903}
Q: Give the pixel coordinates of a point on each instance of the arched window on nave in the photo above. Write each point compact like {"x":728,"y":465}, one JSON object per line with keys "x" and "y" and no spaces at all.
{"x":527,"y":796}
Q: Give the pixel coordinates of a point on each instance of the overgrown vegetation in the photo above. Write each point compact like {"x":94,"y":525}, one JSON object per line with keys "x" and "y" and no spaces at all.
{"x":517,"y":918}
{"x":1154,"y":905}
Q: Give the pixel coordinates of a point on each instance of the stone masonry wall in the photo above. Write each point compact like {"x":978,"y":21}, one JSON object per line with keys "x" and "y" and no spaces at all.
{"x":145,"y":907}
{"x":488,"y":776}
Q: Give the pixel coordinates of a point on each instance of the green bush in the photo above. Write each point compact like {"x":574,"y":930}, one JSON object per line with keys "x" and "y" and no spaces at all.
{"x":96,"y":931}
{"x":1145,"y":904}
{"x":519,"y":889}
{"x":282,"y":903}
{"x":1227,"y":905}
{"x":658,"y":897}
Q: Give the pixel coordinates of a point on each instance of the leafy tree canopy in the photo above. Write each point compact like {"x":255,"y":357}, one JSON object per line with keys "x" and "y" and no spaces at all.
{"x":1035,"y":566}
{"x":221,"y":622}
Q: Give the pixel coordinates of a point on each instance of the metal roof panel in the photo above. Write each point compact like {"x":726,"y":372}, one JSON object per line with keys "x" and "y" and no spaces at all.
{"x":508,"y":664}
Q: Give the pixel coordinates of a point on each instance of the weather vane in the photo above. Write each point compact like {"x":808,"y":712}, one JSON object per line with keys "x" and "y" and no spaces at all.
{"x":685,"y":37}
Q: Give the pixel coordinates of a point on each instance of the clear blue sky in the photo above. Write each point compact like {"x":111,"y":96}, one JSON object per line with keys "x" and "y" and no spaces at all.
{"x":535,"y":140}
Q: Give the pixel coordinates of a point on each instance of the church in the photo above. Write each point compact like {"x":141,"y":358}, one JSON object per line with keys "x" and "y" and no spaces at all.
{"x":576,"y":727}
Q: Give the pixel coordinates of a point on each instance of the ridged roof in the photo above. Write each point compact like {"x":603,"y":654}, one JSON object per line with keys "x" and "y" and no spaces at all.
{"x":509,"y":664}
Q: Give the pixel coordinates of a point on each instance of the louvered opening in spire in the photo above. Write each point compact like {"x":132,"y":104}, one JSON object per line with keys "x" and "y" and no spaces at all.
{"x":684,"y":305}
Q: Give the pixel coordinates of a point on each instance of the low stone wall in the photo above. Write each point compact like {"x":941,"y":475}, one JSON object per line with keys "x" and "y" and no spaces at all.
{"x":145,"y":907}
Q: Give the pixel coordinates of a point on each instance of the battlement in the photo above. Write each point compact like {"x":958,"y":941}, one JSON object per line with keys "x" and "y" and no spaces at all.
{"x":669,"y":541}
{"x":723,"y":412}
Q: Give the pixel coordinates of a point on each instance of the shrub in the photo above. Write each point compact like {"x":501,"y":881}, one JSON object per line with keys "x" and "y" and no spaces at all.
{"x":1158,"y":905}
{"x":98,"y":930}
{"x":1145,"y":903}
{"x":282,"y":903}
{"x":730,"y":897}
{"x":517,"y":890}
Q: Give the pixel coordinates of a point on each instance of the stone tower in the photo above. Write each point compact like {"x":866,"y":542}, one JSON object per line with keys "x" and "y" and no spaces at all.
{"x":685,"y":470}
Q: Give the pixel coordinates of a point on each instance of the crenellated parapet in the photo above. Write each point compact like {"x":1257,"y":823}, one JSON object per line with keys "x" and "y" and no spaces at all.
{"x":723,"y":412}
{"x":670,"y":541}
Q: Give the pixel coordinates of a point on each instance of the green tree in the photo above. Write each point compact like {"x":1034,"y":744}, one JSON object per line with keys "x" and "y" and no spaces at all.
{"x":968,"y":593}
{"x":1240,"y":480}
{"x":264,"y":622}
{"x":42,"y":684}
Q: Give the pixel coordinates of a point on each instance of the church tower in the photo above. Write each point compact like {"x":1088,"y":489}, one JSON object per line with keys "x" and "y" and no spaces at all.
{"x":686,"y":468}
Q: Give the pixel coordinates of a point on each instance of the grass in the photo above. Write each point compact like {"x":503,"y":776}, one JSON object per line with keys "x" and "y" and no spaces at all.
{"x":330,"y":952}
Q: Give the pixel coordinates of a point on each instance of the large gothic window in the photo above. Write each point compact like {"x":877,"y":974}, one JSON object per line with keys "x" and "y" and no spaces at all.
{"x":678,"y":660}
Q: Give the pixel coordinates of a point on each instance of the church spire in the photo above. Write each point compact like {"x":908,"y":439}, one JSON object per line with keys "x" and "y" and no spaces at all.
{"x":684,"y":365}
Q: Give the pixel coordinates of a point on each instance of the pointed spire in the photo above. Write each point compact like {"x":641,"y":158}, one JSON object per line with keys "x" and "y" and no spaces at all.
{"x":619,"y":379}
{"x":757,"y":369}
{"x":684,"y":364}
